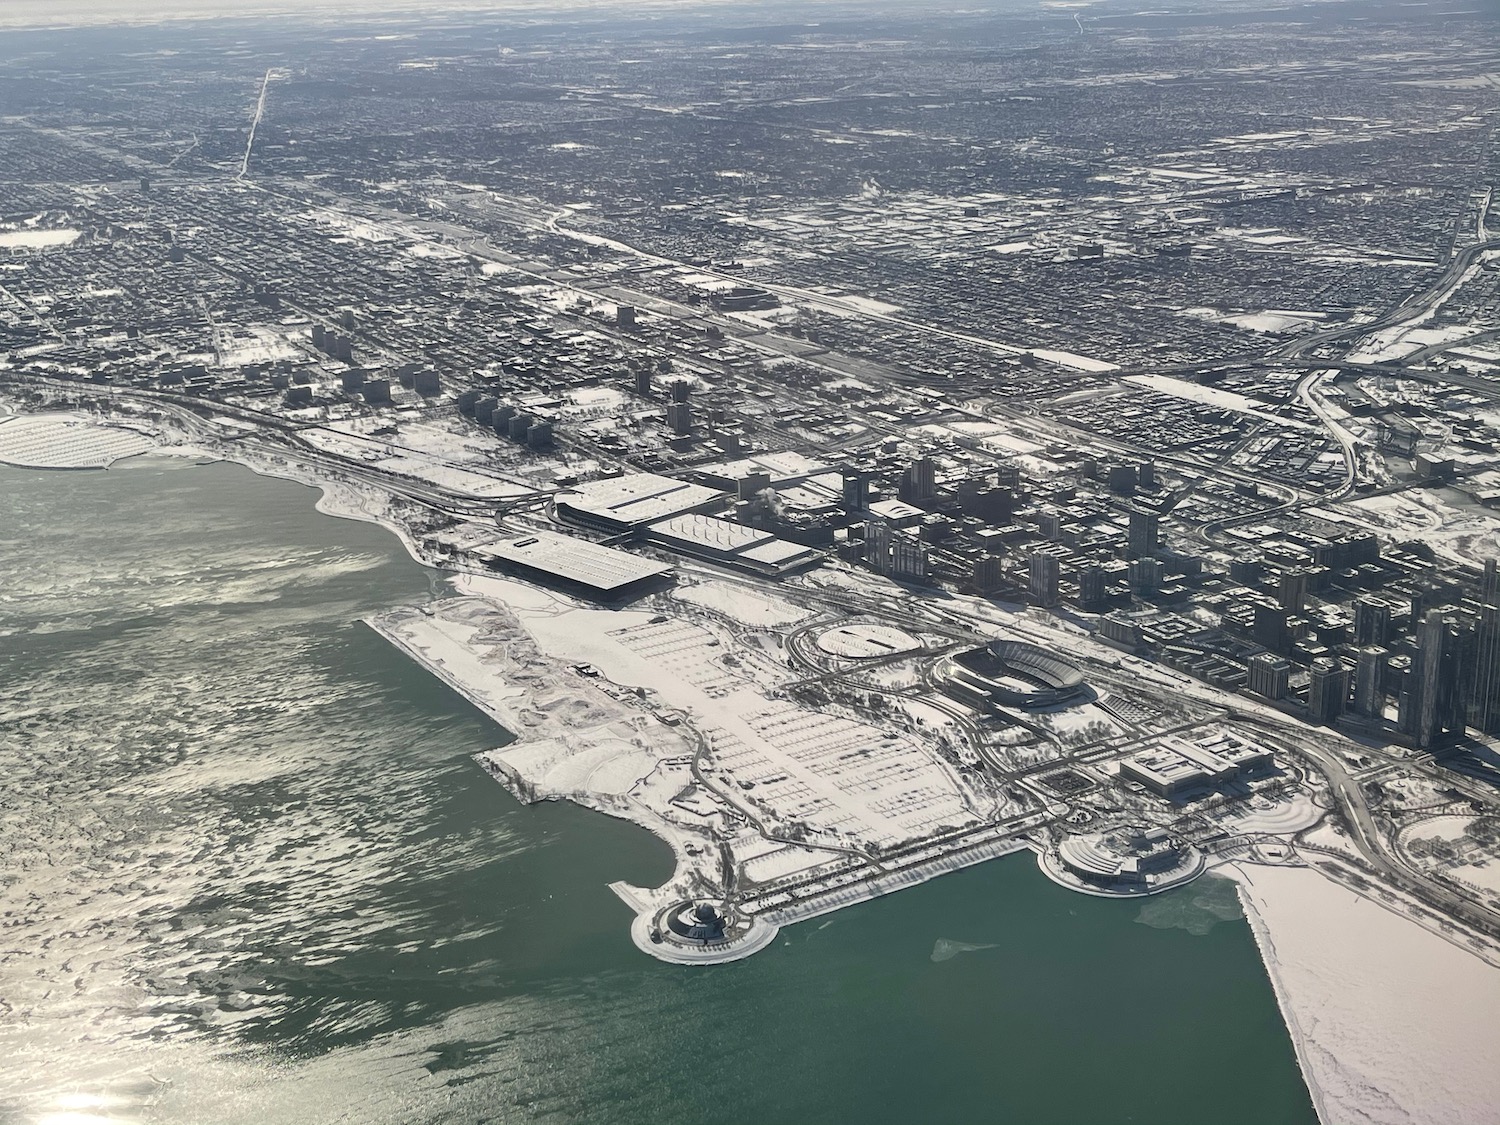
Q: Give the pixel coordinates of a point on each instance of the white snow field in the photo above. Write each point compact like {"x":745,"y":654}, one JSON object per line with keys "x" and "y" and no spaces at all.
{"x":66,"y":441}
{"x":1393,"y":1024}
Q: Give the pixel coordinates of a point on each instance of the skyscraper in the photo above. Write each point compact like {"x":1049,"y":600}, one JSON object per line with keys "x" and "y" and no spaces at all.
{"x":1431,"y":703}
{"x":1270,"y":628}
{"x":877,"y":542}
{"x":1482,"y":707}
{"x":1291,"y":593}
{"x":1247,"y":570}
{"x":1146,"y":575}
{"x":1327,"y":689}
{"x":1269,"y":675}
{"x":1145,"y":532}
{"x":856,"y":487}
{"x":919,"y":481}
{"x":1121,"y":479}
{"x":1091,"y":588}
{"x":1045,"y":570}
{"x":1372,"y":622}
{"x":988,"y":573}
{"x":1369,"y":681}
{"x":895,"y":552}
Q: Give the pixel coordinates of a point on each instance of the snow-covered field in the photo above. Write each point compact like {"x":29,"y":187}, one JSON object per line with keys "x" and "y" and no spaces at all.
{"x":869,"y":304}
{"x":611,"y":707}
{"x":394,"y":458}
{"x":1403,"y":339}
{"x":66,"y":441}
{"x":258,"y":345}
{"x":35,"y":239}
{"x":796,"y":767}
{"x":1463,"y":534}
{"x":752,"y":607}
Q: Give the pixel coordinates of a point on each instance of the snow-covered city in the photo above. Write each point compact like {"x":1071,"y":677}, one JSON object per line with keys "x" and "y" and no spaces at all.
{"x":852,"y":476}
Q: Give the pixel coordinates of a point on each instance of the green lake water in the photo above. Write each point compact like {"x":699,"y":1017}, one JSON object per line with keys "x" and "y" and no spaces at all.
{"x":249,"y":872}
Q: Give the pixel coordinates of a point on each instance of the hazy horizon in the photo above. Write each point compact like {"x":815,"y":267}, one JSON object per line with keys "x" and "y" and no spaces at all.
{"x":79,"y":13}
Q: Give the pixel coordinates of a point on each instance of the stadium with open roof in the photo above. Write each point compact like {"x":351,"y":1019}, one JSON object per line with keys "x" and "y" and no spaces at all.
{"x":1011,"y":673}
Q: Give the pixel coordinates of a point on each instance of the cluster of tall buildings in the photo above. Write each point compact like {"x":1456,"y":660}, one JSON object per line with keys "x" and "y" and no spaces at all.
{"x":1329,"y":618}
{"x":1454,"y":680}
{"x":1451,"y":678}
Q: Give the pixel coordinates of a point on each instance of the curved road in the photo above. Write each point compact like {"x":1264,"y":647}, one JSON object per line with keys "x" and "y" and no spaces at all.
{"x":1366,"y":835}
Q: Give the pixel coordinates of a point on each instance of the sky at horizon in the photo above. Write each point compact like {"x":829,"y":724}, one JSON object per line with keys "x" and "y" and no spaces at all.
{"x":65,"y":13}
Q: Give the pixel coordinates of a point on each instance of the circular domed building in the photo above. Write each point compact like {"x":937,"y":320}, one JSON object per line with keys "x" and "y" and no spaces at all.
{"x":700,"y":933}
{"x":1130,"y":860}
{"x":702,"y":923}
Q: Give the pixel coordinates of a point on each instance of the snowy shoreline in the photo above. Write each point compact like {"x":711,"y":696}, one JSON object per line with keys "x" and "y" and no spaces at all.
{"x":335,"y":498}
{"x":1266,"y":944}
{"x":1390,"y":1021}
{"x":1370,"y":1064}
{"x":1367,"y":1058}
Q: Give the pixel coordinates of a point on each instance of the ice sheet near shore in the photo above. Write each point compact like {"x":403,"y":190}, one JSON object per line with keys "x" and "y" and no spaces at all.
{"x":1393,"y":1024}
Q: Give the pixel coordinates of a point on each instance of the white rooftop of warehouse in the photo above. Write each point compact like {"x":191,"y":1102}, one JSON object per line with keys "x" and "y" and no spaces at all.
{"x":1164,"y":767}
{"x":731,"y":539}
{"x":896,"y":510}
{"x":576,"y":560}
{"x":638,"y":498}
{"x":780,"y":465}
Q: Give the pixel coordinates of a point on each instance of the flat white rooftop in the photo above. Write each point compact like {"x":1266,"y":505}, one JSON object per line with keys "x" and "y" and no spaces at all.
{"x":573,"y":560}
{"x":814,"y":492}
{"x":1164,"y":768}
{"x":709,"y":535}
{"x":782,"y":465}
{"x":637,"y":498}
{"x":708,"y":531}
{"x":896,"y":511}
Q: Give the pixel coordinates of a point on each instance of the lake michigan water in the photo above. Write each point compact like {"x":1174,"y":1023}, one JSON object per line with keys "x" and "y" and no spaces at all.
{"x":249,"y":873}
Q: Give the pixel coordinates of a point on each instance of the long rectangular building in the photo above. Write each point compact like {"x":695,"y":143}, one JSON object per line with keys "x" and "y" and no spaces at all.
{"x":634,"y":500}
{"x":732,"y":544}
{"x":575,"y":565}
